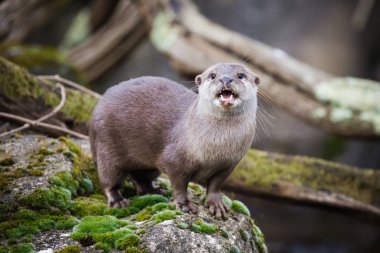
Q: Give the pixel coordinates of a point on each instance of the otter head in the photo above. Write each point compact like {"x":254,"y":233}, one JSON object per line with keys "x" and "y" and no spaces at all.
{"x":227,"y":86}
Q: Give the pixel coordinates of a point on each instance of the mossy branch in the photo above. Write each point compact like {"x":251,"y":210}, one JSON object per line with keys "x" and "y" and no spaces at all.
{"x":309,"y":181}
{"x":25,"y":95}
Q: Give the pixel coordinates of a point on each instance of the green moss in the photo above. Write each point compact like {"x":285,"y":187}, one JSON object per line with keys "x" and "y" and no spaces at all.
{"x":96,"y":225}
{"x":140,"y":202}
{"x":79,"y":105}
{"x":244,"y":235}
{"x":197,"y":189}
{"x":46,"y":199}
{"x":100,"y":197}
{"x":227,"y":200}
{"x":143,"y":215}
{"x":36,"y":172}
{"x":71,"y":145}
{"x":19,"y":248}
{"x":183,"y":225}
{"x":25,"y":224}
{"x":234,"y":249}
{"x":16,"y":82}
{"x":100,"y":230}
{"x":120,"y":212}
{"x":164,"y":215}
{"x":70,"y":249}
{"x":258,"y":238}
{"x":45,"y":151}
{"x":87,"y":185}
{"x":132,"y":227}
{"x":25,"y":214}
{"x":15,"y":230}
{"x":106,"y":247}
{"x":224,"y":233}
{"x":200,"y":226}
{"x":28,"y":238}
{"x":239,"y":207}
{"x":141,"y":232}
{"x":163,"y":206}
{"x":66,"y":180}
{"x":132,"y":249}
{"x":85,"y":206}
{"x":6,"y":210}
{"x":66,"y":222}
{"x":273,"y":169}
{"x":45,"y":224}
{"x":127,"y":241}
{"x":40,"y":59}
{"x":84,"y":178}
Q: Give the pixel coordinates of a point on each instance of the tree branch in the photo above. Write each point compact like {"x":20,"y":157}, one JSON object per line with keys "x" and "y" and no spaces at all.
{"x":50,"y":114}
{"x":25,"y":95}
{"x":308,"y":181}
{"x":193,"y":43}
{"x":33,"y":123}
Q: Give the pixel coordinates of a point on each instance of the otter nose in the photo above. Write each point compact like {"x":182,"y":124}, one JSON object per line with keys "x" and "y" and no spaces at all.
{"x":226,"y":80}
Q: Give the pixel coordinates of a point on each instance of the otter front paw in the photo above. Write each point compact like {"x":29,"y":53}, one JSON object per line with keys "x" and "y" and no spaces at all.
{"x":187,"y":207}
{"x":119,"y":203}
{"x":216,"y":206}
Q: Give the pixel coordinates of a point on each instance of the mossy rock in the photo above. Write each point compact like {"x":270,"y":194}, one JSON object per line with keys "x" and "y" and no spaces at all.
{"x":71,"y":201}
{"x":69,"y":249}
{"x":44,"y":199}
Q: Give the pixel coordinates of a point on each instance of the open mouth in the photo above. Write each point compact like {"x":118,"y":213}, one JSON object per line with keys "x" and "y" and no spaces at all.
{"x":227,"y":96}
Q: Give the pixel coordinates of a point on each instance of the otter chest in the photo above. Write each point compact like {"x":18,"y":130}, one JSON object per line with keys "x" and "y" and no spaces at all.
{"x":218,"y":150}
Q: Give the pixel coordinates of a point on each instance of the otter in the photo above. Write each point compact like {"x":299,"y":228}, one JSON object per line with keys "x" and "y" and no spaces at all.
{"x":149,"y":125}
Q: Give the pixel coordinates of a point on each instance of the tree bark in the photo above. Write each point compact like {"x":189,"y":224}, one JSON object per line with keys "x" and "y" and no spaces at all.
{"x":25,"y":95}
{"x":110,"y":42}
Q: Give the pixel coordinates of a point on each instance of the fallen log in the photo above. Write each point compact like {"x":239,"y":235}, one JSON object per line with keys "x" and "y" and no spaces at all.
{"x":308,"y":181}
{"x":343,"y":106}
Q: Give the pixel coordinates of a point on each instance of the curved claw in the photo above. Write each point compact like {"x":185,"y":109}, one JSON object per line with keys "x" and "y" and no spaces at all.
{"x":187,"y":207}
{"x":218,"y":209}
{"x":119,"y":204}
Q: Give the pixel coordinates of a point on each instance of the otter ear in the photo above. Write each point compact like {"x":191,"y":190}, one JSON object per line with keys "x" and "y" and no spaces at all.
{"x":257,"y":80}
{"x":198,"y":80}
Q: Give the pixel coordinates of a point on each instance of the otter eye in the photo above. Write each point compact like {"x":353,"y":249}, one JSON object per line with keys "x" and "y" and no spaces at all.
{"x":241,"y":75}
{"x":212,"y":76}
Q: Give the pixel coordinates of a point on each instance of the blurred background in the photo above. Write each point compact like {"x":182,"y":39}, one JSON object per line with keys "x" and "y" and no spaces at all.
{"x":327,"y":34}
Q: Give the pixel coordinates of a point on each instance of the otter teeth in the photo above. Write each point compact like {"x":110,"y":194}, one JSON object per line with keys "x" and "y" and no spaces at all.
{"x":226,"y":99}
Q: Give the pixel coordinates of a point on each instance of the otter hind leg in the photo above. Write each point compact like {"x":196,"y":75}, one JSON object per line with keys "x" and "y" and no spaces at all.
{"x":143,"y":178}
{"x":111,"y":178}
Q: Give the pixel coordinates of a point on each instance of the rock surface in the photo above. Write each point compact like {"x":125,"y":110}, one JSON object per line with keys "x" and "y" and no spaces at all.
{"x":50,"y":202}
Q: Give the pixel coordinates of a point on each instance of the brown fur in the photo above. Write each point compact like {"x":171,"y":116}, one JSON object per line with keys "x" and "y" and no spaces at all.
{"x":149,"y":125}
